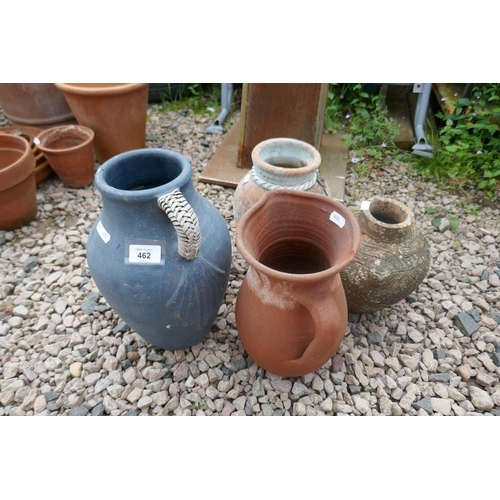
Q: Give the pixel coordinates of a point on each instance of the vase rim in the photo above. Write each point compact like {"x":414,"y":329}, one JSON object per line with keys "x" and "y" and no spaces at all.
{"x":394,"y":205}
{"x":99,"y":89}
{"x":314,"y":200}
{"x":268,"y":144}
{"x":142,"y":155}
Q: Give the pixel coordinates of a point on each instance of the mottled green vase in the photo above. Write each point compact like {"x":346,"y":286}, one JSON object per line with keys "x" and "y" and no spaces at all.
{"x":392,"y":261}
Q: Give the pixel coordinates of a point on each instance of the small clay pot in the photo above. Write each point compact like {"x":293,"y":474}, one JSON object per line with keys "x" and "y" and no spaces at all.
{"x":280,"y":163}
{"x":393,"y":258}
{"x":70,"y":153}
{"x":18,"y":204}
{"x":116,"y":112}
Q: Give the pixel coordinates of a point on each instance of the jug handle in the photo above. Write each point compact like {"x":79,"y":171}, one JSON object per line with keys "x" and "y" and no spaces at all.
{"x":185,"y":222}
{"x":326,"y":317}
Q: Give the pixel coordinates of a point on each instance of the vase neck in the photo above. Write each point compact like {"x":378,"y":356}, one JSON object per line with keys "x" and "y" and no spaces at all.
{"x":386,"y":220}
{"x":281,"y":178}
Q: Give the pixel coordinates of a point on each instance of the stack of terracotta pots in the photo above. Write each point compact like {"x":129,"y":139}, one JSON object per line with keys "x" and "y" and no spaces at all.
{"x":18,"y":204}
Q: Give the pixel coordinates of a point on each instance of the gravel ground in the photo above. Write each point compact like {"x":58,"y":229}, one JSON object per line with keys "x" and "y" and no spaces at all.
{"x":63,"y":351}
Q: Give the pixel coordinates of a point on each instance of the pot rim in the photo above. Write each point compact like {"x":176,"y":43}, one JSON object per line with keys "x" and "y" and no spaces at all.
{"x":99,"y":89}
{"x":276,"y":170}
{"x":88,"y":132}
{"x":396,"y":204}
{"x":377,"y":229}
{"x":12,"y":174}
{"x":141,"y":195}
{"x":315,"y":199}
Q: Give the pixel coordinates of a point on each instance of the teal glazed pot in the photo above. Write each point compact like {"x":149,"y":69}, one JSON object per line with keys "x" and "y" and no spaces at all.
{"x":159,"y":253}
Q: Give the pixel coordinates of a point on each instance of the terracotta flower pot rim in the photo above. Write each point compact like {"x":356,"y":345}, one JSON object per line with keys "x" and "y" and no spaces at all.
{"x":99,"y":89}
{"x":7,"y":178}
{"x":46,"y":134}
{"x":259,"y":162}
{"x":311,"y":278}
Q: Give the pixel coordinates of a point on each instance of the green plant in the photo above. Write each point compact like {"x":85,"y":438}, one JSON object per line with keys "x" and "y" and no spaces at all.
{"x":469,"y":141}
{"x":362,"y":169}
{"x":359,"y":112}
{"x":196,"y":97}
{"x":469,"y":210}
{"x":195,"y":88}
{"x":199,"y":405}
{"x":453,"y":221}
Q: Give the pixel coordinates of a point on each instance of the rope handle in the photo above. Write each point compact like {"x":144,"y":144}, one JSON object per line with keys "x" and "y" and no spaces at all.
{"x":185,"y":222}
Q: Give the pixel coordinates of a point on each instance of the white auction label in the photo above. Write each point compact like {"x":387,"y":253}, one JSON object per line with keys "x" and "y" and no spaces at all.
{"x":102,"y":232}
{"x":338,"y":219}
{"x":365,"y":205}
{"x":144,"y":254}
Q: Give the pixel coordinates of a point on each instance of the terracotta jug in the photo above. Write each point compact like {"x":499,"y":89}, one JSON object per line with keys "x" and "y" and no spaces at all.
{"x":18,"y":204}
{"x":291,"y":311}
{"x":116,"y":112}
{"x":393,"y":259}
{"x":69,"y":151}
{"x":279,"y":163}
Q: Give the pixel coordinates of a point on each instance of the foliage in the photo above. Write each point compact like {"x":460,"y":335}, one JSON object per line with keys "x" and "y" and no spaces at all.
{"x":196,"y":97}
{"x":453,"y":221}
{"x":469,"y":142}
{"x":359,"y":112}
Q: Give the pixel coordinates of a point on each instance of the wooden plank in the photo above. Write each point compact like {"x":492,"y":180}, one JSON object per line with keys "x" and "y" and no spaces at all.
{"x":334,"y":156}
{"x":398,"y":108}
{"x":320,"y":115}
{"x":271,"y":110}
{"x":222,"y":168}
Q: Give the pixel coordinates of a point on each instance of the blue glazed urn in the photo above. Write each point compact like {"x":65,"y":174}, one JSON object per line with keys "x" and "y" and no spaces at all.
{"x":159,"y":253}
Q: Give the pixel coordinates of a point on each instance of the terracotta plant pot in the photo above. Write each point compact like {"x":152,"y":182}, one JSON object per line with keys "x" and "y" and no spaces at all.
{"x":291,"y":311}
{"x":38,"y":104}
{"x":393,"y":259}
{"x":18,"y":203}
{"x":279,"y":163}
{"x":116,"y":112}
{"x":42,"y":168}
{"x":69,"y":152}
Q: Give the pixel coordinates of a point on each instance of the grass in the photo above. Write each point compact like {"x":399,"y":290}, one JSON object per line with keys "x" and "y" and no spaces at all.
{"x":197,"y":98}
